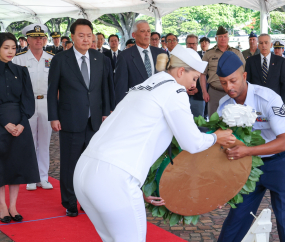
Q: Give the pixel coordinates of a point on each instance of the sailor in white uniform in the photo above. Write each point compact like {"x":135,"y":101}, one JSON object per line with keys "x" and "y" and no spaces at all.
{"x":271,"y":122}
{"x":110,"y":172}
{"x":38,"y":63}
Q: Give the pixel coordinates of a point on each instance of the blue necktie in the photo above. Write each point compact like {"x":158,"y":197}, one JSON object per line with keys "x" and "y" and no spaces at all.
{"x":147,"y":63}
{"x":264,"y":69}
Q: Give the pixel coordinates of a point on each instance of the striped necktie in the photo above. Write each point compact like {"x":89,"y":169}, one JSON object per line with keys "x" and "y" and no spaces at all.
{"x":147,"y":63}
{"x":264,"y":69}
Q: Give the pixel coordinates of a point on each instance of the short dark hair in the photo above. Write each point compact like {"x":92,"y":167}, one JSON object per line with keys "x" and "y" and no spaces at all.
{"x":80,"y":21}
{"x":7,"y":36}
{"x":153,"y":33}
{"x":99,"y":33}
{"x":64,"y":37}
{"x":22,"y":38}
{"x":68,"y":42}
{"x":204,"y":39}
{"x":169,"y":35}
{"x":113,"y":35}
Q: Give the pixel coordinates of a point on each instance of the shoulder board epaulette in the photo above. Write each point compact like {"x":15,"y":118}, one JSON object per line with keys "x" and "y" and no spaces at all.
{"x":21,"y":53}
{"x":49,"y":52}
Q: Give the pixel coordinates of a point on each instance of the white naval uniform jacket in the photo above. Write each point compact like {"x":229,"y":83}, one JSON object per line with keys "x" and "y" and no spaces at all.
{"x":142,"y":126}
{"x":268,"y":106}
{"x":38,"y":70}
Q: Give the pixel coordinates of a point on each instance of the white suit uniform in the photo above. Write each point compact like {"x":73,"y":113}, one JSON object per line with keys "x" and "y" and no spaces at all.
{"x":110,"y":172}
{"x":39,"y":123}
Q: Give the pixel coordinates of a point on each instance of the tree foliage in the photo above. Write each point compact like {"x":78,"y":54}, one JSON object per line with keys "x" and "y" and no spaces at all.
{"x":200,"y":20}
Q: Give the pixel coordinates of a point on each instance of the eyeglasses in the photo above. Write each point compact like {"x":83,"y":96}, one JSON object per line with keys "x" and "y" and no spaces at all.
{"x":162,"y":41}
{"x":155,"y":39}
{"x":171,"y":41}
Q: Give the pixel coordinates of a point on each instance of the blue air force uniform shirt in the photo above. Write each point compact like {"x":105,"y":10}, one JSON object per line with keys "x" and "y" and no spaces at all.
{"x":268,"y":106}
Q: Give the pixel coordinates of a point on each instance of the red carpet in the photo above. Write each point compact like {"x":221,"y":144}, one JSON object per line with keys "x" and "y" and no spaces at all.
{"x":45,"y":220}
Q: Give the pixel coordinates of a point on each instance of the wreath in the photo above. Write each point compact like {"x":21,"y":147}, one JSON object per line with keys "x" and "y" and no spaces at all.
{"x":240,"y":130}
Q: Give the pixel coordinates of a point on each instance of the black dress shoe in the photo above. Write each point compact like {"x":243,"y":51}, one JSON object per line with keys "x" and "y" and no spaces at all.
{"x":17,"y":218}
{"x":6,"y":219}
{"x":72,"y":212}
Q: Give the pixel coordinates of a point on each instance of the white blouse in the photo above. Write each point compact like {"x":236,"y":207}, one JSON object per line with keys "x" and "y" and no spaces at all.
{"x":142,"y":126}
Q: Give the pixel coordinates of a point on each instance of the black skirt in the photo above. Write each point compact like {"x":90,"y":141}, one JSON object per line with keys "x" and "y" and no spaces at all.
{"x":18,"y":162}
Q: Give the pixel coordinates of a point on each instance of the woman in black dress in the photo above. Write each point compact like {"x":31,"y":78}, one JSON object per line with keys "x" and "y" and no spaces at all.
{"x":18,"y":163}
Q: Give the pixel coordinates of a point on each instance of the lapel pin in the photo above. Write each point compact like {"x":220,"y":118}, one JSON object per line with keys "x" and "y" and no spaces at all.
{"x":94,"y":58}
{"x":15,"y":77}
{"x":273,"y":64}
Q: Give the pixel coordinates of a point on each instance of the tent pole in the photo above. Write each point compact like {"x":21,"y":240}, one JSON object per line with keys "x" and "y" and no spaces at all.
{"x":158,"y":21}
{"x":263,"y":17}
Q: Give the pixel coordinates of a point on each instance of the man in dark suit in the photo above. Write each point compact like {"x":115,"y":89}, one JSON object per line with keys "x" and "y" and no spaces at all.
{"x":204,"y":43}
{"x":136,"y":64}
{"x":109,"y":73}
{"x":267,"y":69}
{"x":195,"y":95}
{"x":23,"y":45}
{"x":113,"y":53}
{"x":77,"y":77}
{"x":100,"y":42}
{"x":56,"y":47}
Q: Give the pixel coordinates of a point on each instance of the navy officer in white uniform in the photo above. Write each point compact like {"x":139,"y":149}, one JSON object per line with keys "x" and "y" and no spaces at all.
{"x":271,"y":121}
{"x":38,"y":63}
{"x":110,"y":172}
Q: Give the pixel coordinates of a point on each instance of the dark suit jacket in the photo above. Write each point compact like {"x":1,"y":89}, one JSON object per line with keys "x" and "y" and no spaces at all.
{"x":199,"y":94}
{"x":110,"y":77}
{"x":19,"y":50}
{"x":72,"y":108}
{"x":53,"y":50}
{"x":130,"y":70}
{"x":276,"y":75}
{"x":108,"y":53}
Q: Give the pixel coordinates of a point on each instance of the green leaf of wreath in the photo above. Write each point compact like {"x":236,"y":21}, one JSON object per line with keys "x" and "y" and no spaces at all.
{"x":249,"y":137}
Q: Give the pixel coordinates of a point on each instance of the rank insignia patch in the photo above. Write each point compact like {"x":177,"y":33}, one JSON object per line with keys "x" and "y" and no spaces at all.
{"x":279,"y":111}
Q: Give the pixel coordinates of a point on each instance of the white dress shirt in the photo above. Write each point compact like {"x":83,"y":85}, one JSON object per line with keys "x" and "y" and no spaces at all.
{"x":142,"y":126}
{"x":267,"y":59}
{"x":38,"y":70}
{"x":100,"y":49}
{"x":140,"y":49}
{"x":78,"y":56}
{"x":117,"y":52}
{"x":269,"y":108}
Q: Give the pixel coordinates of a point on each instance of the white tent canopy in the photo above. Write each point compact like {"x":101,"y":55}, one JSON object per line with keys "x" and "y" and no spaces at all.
{"x":39,"y":11}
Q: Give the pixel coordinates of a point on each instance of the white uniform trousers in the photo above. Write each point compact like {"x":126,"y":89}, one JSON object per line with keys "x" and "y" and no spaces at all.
{"x":41,"y":131}
{"x":112,"y":199}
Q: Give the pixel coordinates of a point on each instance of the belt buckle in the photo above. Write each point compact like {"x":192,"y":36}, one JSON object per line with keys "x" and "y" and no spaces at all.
{"x":40,"y":97}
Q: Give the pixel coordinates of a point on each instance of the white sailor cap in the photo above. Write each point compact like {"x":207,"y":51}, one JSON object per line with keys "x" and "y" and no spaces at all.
{"x":278,"y":43}
{"x":190,"y":57}
{"x":35,"y":30}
